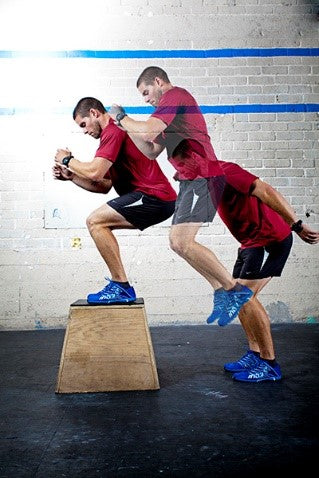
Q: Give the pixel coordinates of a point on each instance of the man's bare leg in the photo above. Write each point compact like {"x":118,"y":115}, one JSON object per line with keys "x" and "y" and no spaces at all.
{"x":202,"y":259}
{"x":253,"y":366}
{"x":255,"y":321}
{"x":100,"y":224}
{"x":229,"y":295}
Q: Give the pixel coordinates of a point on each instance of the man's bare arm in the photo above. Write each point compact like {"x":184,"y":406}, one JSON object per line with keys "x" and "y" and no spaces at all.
{"x":147,"y":130}
{"x":63,"y":174}
{"x":148,"y":148}
{"x":103,"y":186}
{"x":270,"y":196}
{"x":142,"y":133}
{"x":94,"y":170}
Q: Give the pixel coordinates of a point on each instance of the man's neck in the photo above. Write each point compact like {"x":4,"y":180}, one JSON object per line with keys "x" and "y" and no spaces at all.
{"x":167,"y":87}
{"x":104,"y":120}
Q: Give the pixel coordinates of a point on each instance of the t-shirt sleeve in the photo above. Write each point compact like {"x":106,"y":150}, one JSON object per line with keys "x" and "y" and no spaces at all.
{"x":110,"y":143}
{"x":237,"y":177}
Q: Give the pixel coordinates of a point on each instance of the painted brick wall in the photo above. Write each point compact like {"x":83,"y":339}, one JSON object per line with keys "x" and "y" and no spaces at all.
{"x":262,"y":112}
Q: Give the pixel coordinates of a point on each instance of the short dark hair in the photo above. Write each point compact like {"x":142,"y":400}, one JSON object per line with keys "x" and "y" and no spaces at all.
{"x":150,"y":73}
{"x":85,"y":104}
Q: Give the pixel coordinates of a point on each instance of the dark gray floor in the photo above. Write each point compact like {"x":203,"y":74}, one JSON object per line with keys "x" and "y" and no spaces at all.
{"x":199,"y":424}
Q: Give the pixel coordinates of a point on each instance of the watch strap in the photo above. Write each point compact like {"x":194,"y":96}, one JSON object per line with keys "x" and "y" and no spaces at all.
{"x":66,"y":160}
{"x":120,"y":116}
{"x":297,"y":226}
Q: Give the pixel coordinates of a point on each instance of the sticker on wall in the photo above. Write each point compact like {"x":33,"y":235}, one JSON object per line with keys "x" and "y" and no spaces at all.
{"x":76,"y":243}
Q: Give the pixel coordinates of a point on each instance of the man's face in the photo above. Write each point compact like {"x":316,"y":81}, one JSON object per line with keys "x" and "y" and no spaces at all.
{"x":151,"y":93}
{"x":89,"y":124}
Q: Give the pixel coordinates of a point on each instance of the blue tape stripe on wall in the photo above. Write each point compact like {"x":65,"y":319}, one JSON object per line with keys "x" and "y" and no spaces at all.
{"x":206,"y":109}
{"x":219,"y":53}
{"x":226,"y":109}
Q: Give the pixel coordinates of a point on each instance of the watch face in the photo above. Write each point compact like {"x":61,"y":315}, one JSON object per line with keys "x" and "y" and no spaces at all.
{"x":120,"y":116}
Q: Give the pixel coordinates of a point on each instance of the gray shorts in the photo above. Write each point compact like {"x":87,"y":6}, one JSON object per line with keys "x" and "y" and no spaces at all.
{"x":198,"y":199}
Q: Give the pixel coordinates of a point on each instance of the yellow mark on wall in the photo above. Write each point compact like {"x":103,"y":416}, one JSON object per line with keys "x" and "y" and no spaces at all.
{"x":76,"y":243}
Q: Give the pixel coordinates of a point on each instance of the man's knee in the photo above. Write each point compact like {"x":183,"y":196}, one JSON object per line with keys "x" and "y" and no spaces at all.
{"x":92,"y":221}
{"x":180,"y":244}
{"x":249,"y":305}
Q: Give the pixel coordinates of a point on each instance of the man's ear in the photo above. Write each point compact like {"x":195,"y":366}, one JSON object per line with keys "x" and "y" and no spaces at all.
{"x":158,"y":81}
{"x":95,"y":113}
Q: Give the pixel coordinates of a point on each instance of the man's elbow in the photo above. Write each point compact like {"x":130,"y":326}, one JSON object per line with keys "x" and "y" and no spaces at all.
{"x":96,"y":176}
{"x":263,"y":190}
{"x":151,"y":131}
{"x":269,"y":191}
{"x":148,"y":136}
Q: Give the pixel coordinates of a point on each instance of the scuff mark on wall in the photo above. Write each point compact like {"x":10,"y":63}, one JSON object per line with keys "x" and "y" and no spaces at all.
{"x":279,"y":312}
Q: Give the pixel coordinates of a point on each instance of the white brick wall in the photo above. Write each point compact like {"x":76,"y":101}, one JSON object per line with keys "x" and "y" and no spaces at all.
{"x":40,"y":274}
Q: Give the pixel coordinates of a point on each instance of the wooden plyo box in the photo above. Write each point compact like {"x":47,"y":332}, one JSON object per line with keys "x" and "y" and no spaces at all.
{"x":107,"y":348}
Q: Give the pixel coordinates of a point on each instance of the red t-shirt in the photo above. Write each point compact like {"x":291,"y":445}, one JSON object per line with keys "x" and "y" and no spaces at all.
{"x":186,"y":137}
{"x":131,"y":170}
{"x":250,"y":221}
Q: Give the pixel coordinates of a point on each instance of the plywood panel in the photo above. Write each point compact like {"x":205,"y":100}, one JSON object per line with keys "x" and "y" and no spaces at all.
{"x":107,"y":348}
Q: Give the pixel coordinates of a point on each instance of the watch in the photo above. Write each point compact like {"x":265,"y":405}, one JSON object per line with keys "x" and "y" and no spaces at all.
{"x":66,"y":160}
{"x":120,"y":116}
{"x":297,"y":226}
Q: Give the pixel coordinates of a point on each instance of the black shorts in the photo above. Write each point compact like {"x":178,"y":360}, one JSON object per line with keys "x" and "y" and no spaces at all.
{"x":250,"y":261}
{"x":198,"y":199}
{"x":142,"y":210}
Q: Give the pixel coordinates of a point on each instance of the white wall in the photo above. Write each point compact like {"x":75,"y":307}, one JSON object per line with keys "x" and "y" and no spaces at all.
{"x":40,"y":272}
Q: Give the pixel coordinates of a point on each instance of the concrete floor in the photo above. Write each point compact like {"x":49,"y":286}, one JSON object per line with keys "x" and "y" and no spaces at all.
{"x":199,"y":424}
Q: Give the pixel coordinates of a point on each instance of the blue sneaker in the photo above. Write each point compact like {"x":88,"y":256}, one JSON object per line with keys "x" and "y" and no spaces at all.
{"x":112,"y":293}
{"x":220,"y":297}
{"x":235,"y":298}
{"x":260,"y":373}
{"x":247,"y":361}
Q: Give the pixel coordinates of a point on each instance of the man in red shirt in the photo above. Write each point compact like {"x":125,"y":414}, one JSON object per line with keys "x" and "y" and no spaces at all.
{"x":257,"y":215}
{"x":262,"y":221}
{"x":178,"y":125}
{"x":145,"y":195}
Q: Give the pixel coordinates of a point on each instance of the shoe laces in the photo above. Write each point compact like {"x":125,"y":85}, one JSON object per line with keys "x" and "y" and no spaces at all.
{"x":115,"y":288}
{"x":235,"y":300}
{"x":247,"y":359}
{"x":219,"y":300}
{"x":108,"y":286}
